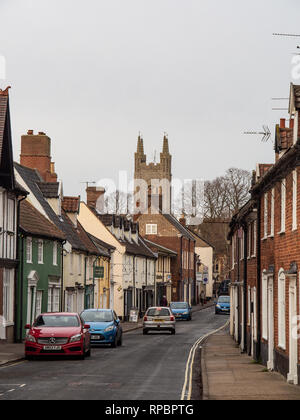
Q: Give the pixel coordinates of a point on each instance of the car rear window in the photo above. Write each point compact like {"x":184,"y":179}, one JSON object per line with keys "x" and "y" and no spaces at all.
{"x":224,"y":299}
{"x":57,"y":321}
{"x":179,"y":305}
{"x":97,"y":316}
{"x":158,"y":312}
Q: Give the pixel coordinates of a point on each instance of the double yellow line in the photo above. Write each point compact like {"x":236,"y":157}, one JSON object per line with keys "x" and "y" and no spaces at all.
{"x":188,"y":383}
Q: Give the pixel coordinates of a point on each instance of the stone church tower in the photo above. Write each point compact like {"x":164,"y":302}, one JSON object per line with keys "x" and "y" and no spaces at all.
{"x":159,"y":172}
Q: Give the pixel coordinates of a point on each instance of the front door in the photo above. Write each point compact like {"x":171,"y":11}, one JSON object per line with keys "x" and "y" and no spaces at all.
{"x":293,"y":376}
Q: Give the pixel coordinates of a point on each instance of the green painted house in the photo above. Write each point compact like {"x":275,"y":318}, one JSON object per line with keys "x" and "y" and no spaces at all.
{"x":39,"y":284}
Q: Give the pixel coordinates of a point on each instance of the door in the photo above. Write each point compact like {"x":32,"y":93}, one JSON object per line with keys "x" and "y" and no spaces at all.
{"x":236,"y":314}
{"x":292,"y":376}
{"x":270,"y":364}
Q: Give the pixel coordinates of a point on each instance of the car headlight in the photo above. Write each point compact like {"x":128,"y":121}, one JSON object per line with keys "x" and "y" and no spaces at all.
{"x":75,"y":338}
{"x":218,"y":306}
{"x":30,"y":338}
{"x":185,"y":313}
{"x":110,"y":328}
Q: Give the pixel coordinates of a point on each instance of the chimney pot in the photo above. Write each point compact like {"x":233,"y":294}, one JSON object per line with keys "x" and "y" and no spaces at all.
{"x":30,"y":132}
{"x":292,"y":121}
{"x":41,"y":133}
{"x":282,"y":122}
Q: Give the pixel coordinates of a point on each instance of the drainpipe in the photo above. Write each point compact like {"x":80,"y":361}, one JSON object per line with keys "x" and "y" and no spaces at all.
{"x":85,"y":295}
{"x":181,"y":273}
{"x":258,"y":241}
{"x":134,"y":291}
{"x":245,"y":285}
{"x":16,"y":307}
{"x":21,"y":258}
{"x":62,"y":297}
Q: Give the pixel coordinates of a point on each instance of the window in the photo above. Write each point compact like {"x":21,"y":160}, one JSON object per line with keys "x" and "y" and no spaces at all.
{"x":40,"y":251}
{"x":54,"y":253}
{"x":266,"y":215}
{"x":151,"y":229}
{"x":233,"y":251}
{"x":265,"y":306}
{"x":249,"y":239}
{"x":283,"y":205}
{"x":272,"y":212}
{"x":242,"y":245}
{"x":39,"y":303}
{"x":281,"y":309}
{"x":294,"y":222}
{"x":254,"y":238}
{"x":53,"y":299}
{"x":249,"y":305}
{"x":8,"y":296}
{"x":11,"y":215}
{"x":29,"y":250}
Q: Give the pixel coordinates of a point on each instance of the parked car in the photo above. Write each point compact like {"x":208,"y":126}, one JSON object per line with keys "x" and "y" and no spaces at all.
{"x":159,"y":319}
{"x":105,"y":326}
{"x":223,"y":305}
{"x":181,"y":310}
{"x":58,"y":334}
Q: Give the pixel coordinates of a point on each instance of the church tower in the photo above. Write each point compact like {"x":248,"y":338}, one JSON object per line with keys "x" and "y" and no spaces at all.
{"x":160,"y":172}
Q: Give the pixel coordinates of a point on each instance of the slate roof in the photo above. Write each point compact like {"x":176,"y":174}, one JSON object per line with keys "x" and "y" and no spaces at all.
{"x":103,"y":248}
{"x":3,"y":108}
{"x":296,"y":95}
{"x":71,"y":204}
{"x":34,"y":223}
{"x":199,"y":240}
{"x":138,"y":249}
{"x":183,"y":230}
{"x":161,"y":249}
{"x":49,"y":189}
{"x":32,"y":179}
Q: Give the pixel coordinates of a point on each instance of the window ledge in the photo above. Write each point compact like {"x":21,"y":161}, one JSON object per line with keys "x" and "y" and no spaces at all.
{"x":264,"y":238}
{"x":282,"y":232}
{"x":9,"y":324}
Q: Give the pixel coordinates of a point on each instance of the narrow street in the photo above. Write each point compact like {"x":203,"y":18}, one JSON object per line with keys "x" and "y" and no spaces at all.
{"x":148,"y":367}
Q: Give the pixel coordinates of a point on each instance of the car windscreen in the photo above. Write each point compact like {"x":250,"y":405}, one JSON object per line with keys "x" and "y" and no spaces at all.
{"x":57,"y":321}
{"x":158,"y":312}
{"x":179,"y":305}
{"x":224,"y":299}
{"x":97,"y":316}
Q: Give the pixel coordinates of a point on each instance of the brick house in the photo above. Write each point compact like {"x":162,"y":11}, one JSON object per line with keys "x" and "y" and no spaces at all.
{"x":10,"y":194}
{"x":274,"y":302}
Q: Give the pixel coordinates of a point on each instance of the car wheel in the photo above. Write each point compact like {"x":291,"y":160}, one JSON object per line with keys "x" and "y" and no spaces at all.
{"x":121,"y":340}
{"x":29,"y":358}
{"x":173,"y":332}
{"x":114,"y":343}
{"x":82,"y":357}
{"x":88,"y":353}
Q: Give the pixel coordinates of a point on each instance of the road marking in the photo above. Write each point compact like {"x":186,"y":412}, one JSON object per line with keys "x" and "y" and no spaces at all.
{"x":12,"y":364}
{"x":188,"y":385}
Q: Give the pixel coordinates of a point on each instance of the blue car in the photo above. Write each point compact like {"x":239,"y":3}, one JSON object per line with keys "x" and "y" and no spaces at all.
{"x":223,"y":305}
{"x":181,"y":310}
{"x":105,"y":326}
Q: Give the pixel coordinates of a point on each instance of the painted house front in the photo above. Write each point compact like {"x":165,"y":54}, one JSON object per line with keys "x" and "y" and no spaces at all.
{"x":10,"y":192}
{"x":39,"y":286}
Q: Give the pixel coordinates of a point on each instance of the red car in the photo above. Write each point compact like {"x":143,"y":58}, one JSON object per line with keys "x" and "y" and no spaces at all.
{"x":58,"y":334}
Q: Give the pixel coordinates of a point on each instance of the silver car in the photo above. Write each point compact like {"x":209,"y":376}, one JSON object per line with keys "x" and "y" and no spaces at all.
{"x":159,"y":319}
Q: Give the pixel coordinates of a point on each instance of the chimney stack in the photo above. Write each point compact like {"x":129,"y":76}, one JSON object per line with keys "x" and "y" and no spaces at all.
{"x":92,"y":196}
{"x":36,"y":154}
{"x":182,"y":220}
{"x":282,"y":122}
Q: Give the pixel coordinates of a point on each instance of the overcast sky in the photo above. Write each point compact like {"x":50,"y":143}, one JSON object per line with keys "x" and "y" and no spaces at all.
{"x":93,"y":73}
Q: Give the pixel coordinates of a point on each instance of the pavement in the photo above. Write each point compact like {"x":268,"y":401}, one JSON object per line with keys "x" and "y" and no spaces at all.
{"x":229,"y":375}
{"x":150,"y":367}
{"x":14,"y":352}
